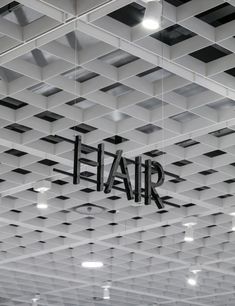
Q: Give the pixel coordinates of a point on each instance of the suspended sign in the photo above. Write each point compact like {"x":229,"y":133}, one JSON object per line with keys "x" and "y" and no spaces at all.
{"x":119,"y":170}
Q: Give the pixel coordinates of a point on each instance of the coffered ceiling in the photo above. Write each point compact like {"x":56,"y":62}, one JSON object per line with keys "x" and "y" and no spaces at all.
{"x":89,"y":68}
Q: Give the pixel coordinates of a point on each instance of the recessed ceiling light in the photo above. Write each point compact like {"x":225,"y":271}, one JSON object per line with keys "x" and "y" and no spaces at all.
{"x":152,"y":16}
{"x":189,"y":223}
{"x":192,"y":281}
{"x":189,"y":235}
{"x":233,"y":223}
{"x":193,"y":275}
{"x":35,"y":299}
{"x":42,"y":187}
{"x":230,"y":210}
{"x":106,"y":295}
{"x":92,"y":264}
{"x":42,"y":201}
{"x":42,"y":205}
{"x":106,"y":286}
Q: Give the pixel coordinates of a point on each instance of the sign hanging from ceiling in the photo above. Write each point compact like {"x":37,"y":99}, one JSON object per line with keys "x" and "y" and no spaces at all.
{"x":119,"y":170}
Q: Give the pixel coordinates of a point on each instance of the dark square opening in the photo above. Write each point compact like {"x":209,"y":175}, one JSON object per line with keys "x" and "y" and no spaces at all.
{"x":21,"y":171}
{"x":173,"y":35}
{"x":210,"y":53}
{"x":63,"y":198}
{"x":208,"y":172}
{"x":224,"y":196}
{"x":116,"y":139}
{"x":222,"y":132}
{"x":202,"y":188}
{"x":83,"y":128}
{"x":177,"y":180}
{"x":52,"y":139}
{"x":154,"y":153}
{"x":12,"y":103}
{"x":214,"y":153}
{"x":113,"y":198}
{"x":47,"y":162}
{"x":15,"y":152}
{"x":231,"y":72}
{"x":177,"y":2}
{"x":131,"y":14}
{"x":218,"y":15}
{"x":87,"y":174}
{"x":87,"y":190}
{"x":18,"y":128}
{"x":49,"y":116}
{"x":60,"y":182}
{"x":182,"y":163}
{"x":187,"y":143}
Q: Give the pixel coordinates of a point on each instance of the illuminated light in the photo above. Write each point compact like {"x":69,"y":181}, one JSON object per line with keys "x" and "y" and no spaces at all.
{"x":151,"y":24}
{"x":106,"y":286}
{"x":106,"y":295}
{"x":42,"y":201}
{"x":192,"y":281}
{"x":35,"y":299}
{"x":92,"y":264}
{"x":42,"y":187}
{"x":233,"y":224}
{"x":189,"y":223}
{"x":189,"y":235}
{"x":152,"y":16}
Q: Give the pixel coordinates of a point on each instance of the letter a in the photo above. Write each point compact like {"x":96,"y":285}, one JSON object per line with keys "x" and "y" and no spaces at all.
{"x":119,"y":161}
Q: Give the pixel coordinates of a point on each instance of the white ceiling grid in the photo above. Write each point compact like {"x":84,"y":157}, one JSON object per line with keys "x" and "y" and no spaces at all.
{"x":69,"y":68}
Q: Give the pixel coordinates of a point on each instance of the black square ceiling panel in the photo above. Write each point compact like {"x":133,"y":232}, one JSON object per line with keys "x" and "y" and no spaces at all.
{"x":12,"y":103}
{"x":210,"y":53}
{"x":18,"y":128}
{"x":116,"y":139}
{"x":130,"y":15}
{"x":177,"y":2}
{"x":218,"y":15}
{"x":173,"y":35}
{"x":231,"y":72}
{"x":104,"y":78}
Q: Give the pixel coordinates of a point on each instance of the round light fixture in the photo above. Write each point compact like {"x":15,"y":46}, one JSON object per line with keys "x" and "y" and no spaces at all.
{"x":42,"y":205}
{"x":151,"y":24}
{"x":92,"y":264}
{"x":192,"y":281}
{"x":194,"y":271}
